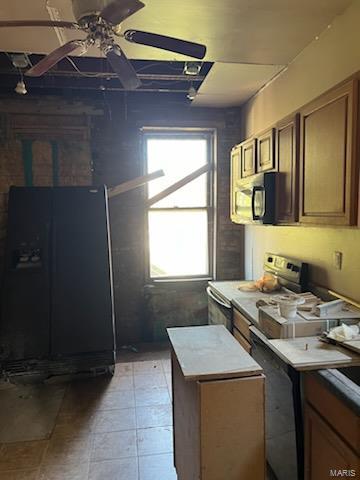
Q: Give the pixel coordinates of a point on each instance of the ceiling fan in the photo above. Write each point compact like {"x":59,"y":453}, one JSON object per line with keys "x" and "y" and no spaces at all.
{"x":101,"y":21}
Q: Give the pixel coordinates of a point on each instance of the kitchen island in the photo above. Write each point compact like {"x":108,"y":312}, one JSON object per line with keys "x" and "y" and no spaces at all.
{"x":218,"y":406}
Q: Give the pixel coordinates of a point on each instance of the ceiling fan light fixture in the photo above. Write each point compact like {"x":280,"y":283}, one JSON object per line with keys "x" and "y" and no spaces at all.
{"x":192,"y":68}
{"x":100,"y":20}
{"x":20,"y":60}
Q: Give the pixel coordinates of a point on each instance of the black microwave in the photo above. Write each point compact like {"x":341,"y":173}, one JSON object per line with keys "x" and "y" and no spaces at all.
{"x":254,"y":200}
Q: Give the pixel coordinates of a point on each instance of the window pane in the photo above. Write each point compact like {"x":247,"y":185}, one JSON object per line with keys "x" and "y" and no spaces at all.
{"x":178,"y":158}
{"x":178,"y":243}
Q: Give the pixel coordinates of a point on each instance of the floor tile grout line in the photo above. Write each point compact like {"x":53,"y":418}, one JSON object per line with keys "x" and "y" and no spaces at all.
{"x":136,"y":437}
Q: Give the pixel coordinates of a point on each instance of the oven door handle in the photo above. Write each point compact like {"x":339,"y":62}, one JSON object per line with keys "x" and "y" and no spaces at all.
{"x":216,"y":299}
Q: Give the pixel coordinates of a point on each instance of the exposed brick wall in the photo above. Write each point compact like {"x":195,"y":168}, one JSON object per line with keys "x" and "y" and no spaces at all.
{"x":71,"y":134}
{"x":113,"y":145}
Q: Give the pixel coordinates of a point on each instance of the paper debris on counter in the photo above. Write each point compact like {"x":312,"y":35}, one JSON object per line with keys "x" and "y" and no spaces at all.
{"x":344,"y":333}
{"x":267,"y":283}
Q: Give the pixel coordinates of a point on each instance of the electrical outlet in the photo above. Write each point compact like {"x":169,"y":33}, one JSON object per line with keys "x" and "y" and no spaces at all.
{"x":338,"y":260}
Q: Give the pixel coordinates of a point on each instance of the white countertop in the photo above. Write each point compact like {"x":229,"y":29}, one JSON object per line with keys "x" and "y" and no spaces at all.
{"x":210,"y":352}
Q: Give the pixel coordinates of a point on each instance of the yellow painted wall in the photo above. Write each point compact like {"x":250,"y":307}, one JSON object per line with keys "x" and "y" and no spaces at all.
{"x":321,"y":65}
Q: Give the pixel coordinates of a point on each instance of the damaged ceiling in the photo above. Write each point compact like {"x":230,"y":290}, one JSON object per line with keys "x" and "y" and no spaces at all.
{"x":248,"y":41}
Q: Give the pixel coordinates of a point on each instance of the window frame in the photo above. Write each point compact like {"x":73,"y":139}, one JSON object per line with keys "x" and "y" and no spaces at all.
{"x":209,"y":134}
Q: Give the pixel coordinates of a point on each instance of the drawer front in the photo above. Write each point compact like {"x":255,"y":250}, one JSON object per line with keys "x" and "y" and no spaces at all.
{"x":243,"y":342}
{"x":242,"y":324}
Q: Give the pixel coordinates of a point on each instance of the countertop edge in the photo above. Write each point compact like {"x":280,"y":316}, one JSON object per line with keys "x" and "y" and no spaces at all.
{"x":342,"y":387}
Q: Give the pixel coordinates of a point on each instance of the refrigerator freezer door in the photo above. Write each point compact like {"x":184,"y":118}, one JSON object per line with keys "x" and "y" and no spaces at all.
{"x":82,"y":311}
{"x":24,"y":326}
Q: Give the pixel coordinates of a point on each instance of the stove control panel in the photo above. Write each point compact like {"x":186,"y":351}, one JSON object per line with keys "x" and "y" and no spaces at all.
{"x":291,"y":273}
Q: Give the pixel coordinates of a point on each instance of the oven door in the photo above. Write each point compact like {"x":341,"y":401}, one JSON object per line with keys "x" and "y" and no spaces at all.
{"x":219,"y":311}
{"x":281,"y":439}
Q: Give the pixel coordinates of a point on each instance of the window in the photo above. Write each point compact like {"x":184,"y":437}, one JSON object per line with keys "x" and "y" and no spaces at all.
{"x":180,"y":224}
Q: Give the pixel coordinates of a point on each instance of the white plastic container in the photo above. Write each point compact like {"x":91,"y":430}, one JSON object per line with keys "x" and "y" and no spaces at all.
{"x":288,"y":305}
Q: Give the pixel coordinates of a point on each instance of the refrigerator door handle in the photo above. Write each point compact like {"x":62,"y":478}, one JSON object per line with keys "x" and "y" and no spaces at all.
{"x":53,"y":252}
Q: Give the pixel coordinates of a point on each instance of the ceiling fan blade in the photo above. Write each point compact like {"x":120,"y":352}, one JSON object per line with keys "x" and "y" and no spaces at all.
{"x":166,"y":43}
{"x":118,"y":10}
{"x":38,"y":23}
{"x":123,"y":68}
{"x":54,"y":57}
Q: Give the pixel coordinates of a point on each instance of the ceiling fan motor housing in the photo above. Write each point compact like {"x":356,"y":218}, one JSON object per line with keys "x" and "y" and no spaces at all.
{"x":88,"y":8}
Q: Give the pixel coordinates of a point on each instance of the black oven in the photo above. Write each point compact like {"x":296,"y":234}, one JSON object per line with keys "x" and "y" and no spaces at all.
{"x":255,"y":199}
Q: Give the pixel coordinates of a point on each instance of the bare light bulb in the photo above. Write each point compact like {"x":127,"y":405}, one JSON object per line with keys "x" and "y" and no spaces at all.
{"x":191,"y":93}
{"x":21,"y":88}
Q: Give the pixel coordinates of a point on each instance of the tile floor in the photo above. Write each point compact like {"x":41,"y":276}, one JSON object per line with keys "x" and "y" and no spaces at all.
{"x":106,"y":429}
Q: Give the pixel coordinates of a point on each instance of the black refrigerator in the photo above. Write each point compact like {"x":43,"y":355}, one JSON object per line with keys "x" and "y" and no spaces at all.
{"x":57,"y":312}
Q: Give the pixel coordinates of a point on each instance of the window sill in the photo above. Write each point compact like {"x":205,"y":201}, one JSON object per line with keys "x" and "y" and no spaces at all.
{"x":184,"y":283}
{"x":179,"y":280}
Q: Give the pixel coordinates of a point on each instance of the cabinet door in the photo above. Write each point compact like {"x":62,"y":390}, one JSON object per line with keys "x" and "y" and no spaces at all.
{"x":265,"y":151}
{"x":235,"y":162}
{"x":242,"y":324}
{"x":243,"y":342}
{"x":248,"y":155}
{"x":287,"y":159}
{"x":328,"y":193}
{"x":325,"y":451}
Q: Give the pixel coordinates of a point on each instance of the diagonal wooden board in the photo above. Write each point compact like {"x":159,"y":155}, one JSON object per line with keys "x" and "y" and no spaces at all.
{"x":135,"y":183}
{"x":308,"y":353}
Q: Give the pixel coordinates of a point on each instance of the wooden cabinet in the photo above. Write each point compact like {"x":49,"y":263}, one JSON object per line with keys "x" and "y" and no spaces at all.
{"x":325,"y":450}
{"x":287,"y":159}
{"x":242,"y":324}
{"x":265,"y":159}
{"x":235,"y":165}
{"x":218,"y":406}
{"x":248,"y":158}
{"x":328,"y":158}
{"x":241,"y":339}
{"x":332,"y":432}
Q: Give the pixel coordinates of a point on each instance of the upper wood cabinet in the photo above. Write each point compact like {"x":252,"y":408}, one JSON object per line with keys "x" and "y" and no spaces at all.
{"x":265,"y":159}
{"x":235,"y":165}
{"x":287,"y":160}
{"x":328,"y":158}
{"x":248,"y":158}
{"x":235,"y":179}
